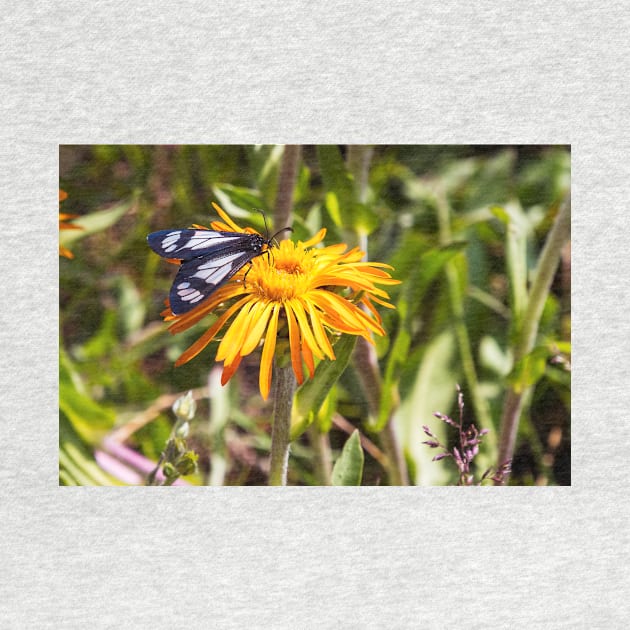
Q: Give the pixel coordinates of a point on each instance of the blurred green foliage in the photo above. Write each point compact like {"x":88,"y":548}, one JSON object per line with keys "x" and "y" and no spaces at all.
{"x":463,"y":226}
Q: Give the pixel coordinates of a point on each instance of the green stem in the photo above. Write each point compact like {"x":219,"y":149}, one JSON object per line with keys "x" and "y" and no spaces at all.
{"x":284,"y":389}
{"x":549,"y":258}
{"x":548,"y":263}
{"x":164,"y":456}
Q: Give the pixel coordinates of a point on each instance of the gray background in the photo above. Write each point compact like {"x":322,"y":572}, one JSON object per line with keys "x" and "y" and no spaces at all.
{"x":437,"y":72}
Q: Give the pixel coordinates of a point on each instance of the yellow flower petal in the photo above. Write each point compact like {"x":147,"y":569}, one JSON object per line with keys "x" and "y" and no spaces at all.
{"x":305,"y":329}
{"x":308,"y":358}
{"x":315,"y":239}
{"x":63,"y":251}
{"x":230,"y":369}
{"x":258,"y":322}
{"x":320,"y":333}
{"x":337,"y":310}
{"x":226,"y":218}
{"x":208,"y":336}
{"x":266,"y":360}
{"x":234,"y":337}
{"x":294,"y":343}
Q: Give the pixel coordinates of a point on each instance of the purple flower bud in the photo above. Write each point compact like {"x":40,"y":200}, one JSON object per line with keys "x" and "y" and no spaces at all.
{"x":470,"y":453}
{"x":431,"y":443}
{"x":437,"y":458}
{"x":426,"y":429}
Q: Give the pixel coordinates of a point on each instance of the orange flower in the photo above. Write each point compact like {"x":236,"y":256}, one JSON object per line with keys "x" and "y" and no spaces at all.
{"x":311,"y":294}
{"x":63,"y":195}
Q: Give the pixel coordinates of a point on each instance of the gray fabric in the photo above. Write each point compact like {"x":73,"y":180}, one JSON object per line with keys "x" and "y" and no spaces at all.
{"x":224,"y":72}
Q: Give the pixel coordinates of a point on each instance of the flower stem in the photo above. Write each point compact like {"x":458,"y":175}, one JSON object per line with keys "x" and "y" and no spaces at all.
{"x":284,"y":388}
{"x":549,"y":258}
{"x":289,"y":168}
{"x":284,"y":379}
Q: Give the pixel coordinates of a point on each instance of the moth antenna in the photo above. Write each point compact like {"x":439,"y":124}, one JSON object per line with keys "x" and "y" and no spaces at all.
{"x":273,"y":238}
{"x":265,"y":220}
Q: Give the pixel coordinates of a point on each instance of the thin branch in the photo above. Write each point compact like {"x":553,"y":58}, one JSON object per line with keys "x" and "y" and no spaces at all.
{"x":548,"y":263}
{"x":289,"y":168}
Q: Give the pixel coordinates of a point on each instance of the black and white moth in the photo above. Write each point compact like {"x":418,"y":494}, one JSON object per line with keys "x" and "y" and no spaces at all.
{"x":209,"y":260}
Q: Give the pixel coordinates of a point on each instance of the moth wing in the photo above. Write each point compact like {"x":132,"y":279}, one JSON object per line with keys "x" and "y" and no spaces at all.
{"x":189,"y":244}
{"x":198,"y":279}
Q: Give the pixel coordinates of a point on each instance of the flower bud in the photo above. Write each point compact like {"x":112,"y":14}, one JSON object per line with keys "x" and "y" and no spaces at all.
{"x":169,"y":470}
{"x":185,"y":406}
{"x":187,"y":465}
{"x":183,"y":430}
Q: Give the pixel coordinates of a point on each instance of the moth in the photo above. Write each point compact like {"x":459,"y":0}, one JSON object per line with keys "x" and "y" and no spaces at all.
{"x":209,"y":259}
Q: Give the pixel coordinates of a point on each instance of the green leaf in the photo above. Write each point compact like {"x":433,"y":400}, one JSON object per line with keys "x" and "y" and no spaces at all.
{"x":530,"y":369}
{"x":431,"y":264}
{"x":132,"y":309}
{"x":324,"y":415}
{"x":433,"y":390}
{"x":238,"y":202}
{"x":562,"y":346}
{"x":516,"y":229}
{"x":310,"y":397}
{"x":103,"y":342}
{"x":389,"y":391}
{"x":493,"y":357}
{"x":265,"y":163}
{"x":348,"y":469}
{"x":336,"y":177}
{"x":89,"y":419}
{"x":95,"y":222}
{"x":334,"y":210}
{"x":341,"y":195}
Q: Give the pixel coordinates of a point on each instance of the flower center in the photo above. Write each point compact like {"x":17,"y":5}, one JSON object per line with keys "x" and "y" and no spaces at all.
{"x":284,"y":274}
{"x":289,"y":266}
